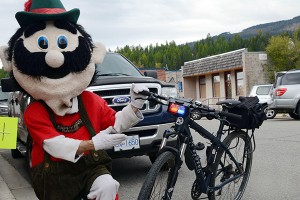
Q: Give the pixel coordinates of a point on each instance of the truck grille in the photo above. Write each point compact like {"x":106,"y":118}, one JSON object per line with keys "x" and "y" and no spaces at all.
{"x":108,"y":94}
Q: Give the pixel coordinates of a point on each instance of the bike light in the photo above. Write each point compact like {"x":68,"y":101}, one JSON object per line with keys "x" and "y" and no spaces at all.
{"x":176,"y":109}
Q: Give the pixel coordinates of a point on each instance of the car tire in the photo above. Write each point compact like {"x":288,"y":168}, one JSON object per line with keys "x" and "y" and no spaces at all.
{"x":152,"y":157}
{"x":15,"y":153}
{"x":270,"y":113}
{"x":294,"y":115}
{"x":195,"y":114}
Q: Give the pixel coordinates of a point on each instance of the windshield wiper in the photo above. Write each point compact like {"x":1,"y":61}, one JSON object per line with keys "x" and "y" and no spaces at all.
{"x":114,"y":74}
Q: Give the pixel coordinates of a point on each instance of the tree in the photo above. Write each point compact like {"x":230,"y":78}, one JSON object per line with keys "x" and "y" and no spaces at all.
{"x":283,"y":54}
{"x":3,"y":73}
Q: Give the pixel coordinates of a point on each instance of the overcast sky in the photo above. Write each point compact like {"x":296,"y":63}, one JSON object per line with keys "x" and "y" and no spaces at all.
{"x":117,"y":23}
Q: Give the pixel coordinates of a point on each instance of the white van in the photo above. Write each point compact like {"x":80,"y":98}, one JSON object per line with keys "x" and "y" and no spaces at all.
{"x":263,"y":92}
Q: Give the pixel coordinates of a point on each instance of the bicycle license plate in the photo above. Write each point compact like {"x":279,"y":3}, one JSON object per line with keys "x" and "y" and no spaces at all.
{"x":132,"y":142}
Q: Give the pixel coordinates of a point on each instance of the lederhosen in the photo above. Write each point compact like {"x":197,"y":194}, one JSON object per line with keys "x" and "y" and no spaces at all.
{"x":64,"y":180}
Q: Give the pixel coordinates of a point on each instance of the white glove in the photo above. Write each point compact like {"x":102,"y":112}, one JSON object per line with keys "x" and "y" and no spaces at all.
{"x":105,"y":140}
{"x":138,"y":100}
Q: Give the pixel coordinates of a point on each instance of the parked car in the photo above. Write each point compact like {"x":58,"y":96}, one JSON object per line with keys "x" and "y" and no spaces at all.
{"x":3,"y":103}
{"x":286,"y":93}
{"x":196,"y":113}
{"x":114,"y":78}
{"x":263,"y":92}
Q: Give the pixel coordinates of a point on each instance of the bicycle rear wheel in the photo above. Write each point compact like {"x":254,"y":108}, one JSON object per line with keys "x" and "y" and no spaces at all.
{"x":239,"y":144}
{"x":157,"y":181}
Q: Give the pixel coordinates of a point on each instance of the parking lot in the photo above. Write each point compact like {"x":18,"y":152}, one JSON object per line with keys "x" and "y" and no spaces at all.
{"x":275,"y":171}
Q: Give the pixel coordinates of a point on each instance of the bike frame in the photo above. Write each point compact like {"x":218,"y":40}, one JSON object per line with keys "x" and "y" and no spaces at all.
{"x":185,"y":140}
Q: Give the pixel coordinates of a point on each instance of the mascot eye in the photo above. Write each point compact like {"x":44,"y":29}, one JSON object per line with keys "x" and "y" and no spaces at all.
{"x":43,"y":42}
{"x":62,"y":42}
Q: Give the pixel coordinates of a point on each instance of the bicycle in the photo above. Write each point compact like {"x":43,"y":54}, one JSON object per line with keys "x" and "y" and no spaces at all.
{"x":229,"y":160}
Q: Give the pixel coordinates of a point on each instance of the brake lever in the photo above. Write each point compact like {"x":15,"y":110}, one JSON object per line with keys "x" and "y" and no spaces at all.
{"x":152,"y":98}
{"x":147,"y":98}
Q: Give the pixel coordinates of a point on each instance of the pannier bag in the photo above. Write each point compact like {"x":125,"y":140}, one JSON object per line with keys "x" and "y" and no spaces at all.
{"x":251,"y":112}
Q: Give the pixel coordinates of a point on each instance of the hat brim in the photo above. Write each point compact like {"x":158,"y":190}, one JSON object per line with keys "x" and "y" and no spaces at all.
{"x":26,"y":18}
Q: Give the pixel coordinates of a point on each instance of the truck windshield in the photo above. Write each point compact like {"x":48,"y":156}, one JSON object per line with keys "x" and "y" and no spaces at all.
{"x":116,"y":65}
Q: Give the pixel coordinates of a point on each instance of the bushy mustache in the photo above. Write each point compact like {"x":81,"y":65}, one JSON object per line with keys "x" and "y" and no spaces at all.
{"x":34,"y":64}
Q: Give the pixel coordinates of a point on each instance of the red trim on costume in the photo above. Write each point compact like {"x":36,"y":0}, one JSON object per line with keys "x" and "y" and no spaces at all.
{"x":48,"y":10}
{"x":27,"y":5}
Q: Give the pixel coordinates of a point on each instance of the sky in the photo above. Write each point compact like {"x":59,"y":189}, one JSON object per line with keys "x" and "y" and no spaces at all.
{"x":117,"y":23}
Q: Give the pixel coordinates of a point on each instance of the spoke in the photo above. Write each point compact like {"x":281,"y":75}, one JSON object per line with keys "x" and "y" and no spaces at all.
{"x":227,"y":169}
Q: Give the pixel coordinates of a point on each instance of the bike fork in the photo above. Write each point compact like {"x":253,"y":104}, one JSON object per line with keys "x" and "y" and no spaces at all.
{"x":172,"y":182}
{"x":175,"y":171}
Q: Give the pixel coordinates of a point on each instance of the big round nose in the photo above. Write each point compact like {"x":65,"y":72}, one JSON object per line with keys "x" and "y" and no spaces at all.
{"x":54,"y":59}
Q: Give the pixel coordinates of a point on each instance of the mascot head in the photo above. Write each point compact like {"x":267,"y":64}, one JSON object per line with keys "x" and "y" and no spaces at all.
{"x":50,"y":56}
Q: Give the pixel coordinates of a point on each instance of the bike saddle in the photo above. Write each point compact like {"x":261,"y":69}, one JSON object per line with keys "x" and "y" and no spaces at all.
{"x":230,"y":103}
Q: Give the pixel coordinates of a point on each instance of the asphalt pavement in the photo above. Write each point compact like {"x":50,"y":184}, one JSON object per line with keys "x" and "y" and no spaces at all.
{"x":12,"y":185}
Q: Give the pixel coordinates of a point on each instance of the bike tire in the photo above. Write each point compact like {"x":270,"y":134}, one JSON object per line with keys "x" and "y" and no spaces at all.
{"x":157,"y":180}
{"x":236,"y":142}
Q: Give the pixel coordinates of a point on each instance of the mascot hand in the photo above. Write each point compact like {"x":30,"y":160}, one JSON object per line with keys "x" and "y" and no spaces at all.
{"x":138,"y":100}
{"x":105,"y":140}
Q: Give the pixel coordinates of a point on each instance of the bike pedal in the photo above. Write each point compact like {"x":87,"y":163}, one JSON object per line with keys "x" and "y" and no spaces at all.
{"x":199,"y":146}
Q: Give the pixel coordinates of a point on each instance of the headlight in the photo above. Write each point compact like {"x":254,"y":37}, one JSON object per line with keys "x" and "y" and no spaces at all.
{"x":169,"y":91}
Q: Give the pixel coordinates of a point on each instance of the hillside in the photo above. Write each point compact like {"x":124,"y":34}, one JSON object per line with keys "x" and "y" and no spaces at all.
{"x":272,"y":28}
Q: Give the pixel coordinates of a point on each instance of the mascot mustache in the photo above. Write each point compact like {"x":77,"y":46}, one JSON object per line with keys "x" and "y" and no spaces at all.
{"x":34,"y":64}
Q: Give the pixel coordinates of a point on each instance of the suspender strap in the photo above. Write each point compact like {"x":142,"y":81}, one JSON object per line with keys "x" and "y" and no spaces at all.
{"x":51,"y":115}
{"x":85,"y":118}
{"x":50,"y":112}
{"x":87,"y":122}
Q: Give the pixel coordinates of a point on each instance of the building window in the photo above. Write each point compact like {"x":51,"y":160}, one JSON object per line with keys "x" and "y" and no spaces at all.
{"x":216,"y":85}
{"x":240,"y":83}
{"x":228,"y":92}
{"x":202,"y":86}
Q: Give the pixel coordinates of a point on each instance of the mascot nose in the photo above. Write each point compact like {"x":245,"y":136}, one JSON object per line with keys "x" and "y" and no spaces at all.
{"x":54,"y":59}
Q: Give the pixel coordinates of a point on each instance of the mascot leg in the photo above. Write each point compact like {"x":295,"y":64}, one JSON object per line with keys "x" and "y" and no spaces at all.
{"x":104,"y":188}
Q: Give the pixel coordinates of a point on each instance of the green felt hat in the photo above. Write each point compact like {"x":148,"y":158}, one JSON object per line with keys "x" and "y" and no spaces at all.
{"x":45,"y":10}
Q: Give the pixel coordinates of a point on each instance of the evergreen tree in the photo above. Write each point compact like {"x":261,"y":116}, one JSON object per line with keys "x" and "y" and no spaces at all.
{"x":173,"y":56}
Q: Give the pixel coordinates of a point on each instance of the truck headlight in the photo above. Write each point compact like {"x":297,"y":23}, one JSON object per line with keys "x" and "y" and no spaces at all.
{"x":169,"y":91}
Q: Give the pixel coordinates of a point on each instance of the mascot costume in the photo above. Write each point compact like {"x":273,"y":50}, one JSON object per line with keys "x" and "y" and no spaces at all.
{"x":53,"y":59}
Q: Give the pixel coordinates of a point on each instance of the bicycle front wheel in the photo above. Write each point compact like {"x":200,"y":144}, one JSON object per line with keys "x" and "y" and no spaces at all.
{"x":157,"y":183}
{"x":240,"y":146}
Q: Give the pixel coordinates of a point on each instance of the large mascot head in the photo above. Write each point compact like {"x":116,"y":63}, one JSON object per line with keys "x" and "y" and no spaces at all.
{"x":51,"y":57}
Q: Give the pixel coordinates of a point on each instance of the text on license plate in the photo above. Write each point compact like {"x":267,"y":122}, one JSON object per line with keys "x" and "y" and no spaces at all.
{"x":132,"y":142}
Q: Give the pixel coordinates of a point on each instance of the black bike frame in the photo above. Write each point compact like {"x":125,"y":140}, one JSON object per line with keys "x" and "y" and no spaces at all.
{"x":185,"y":139}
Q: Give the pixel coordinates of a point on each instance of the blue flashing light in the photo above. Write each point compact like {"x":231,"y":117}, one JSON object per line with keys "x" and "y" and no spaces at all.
{"x":182,"y":110}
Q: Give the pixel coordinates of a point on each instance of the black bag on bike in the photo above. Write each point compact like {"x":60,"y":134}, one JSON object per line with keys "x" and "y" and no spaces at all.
{"x":251,"y":112}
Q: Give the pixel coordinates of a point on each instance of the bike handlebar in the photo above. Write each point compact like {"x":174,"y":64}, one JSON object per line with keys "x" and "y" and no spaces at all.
{"x":189,"y":103}
{"x":146,"y":93}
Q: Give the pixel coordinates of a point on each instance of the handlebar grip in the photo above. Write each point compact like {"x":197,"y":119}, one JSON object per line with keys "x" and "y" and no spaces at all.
{"x":146,"y":93}
{"x":231,"y":115}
